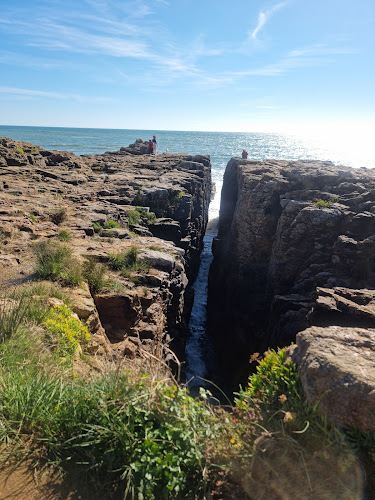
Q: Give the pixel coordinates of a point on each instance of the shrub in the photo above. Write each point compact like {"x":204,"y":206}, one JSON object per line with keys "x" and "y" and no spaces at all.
{"x":140,"y":213}
{"x":326,"y":203}
{"x":59,"y":215}
{"x":55,"y":261}
{"x":111,"y":224}
{"x":64,"y":331}
{"x":133,"y":216}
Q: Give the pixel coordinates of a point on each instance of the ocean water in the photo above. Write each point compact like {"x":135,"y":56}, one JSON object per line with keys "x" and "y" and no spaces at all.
{"x":351,"y":150}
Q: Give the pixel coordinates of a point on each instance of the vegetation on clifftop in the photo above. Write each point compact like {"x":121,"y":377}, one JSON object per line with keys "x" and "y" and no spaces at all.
{"x":143,"y":436}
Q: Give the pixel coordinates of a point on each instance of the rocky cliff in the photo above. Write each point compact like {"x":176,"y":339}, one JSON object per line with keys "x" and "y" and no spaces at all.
{"x":107,"y":205}
{"x":295,"y":247}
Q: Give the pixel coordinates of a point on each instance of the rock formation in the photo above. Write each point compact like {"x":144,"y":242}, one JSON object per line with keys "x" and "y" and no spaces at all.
{"x":295,"y":248}
{"x":108,"y":204}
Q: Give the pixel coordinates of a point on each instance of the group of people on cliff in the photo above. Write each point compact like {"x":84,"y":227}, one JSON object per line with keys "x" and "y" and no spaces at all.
{"x":152,"y":145}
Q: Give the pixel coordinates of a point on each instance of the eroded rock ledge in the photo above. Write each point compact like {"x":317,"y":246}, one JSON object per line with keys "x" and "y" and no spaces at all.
{"x":295,"y":248}
{"x":44,"y":192}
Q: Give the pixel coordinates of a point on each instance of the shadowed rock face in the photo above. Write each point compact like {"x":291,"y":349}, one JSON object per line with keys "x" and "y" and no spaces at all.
{"x":290,"y":233}
{"x":43,"y":192}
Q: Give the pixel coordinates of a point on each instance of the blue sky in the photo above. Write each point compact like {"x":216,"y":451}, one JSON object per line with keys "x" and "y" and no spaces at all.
{"x":244,"y":65}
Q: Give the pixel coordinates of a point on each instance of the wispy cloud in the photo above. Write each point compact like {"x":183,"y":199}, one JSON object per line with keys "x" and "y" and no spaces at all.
{"x":315,"y":55}
{"x":15,"y":91}
{"x":319,"y":50}
{"x":264,"y":16}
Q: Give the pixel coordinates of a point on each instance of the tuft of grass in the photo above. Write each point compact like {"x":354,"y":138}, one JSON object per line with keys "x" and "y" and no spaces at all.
{"x":128,"y":262}
{"x":95,"y":274}
{"x":55,"y":261}
{"x":12,"y":314}
{"x":133,"y":216}
{"x":111,"y":224}
{"x":326,"y":203}
{"x":140,"y":214}
{"x":64,"y":235}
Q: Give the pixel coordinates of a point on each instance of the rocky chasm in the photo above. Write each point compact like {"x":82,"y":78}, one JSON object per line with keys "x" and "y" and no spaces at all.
{"x":294,"y":261}
{"x":294,"y":258}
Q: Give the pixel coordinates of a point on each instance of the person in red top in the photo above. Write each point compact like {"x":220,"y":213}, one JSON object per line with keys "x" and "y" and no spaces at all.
{"x":150,"y":147}
{"x":244,"y":154}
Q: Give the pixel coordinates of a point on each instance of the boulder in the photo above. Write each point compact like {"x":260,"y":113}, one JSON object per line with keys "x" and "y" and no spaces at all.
{"x":337,"y":369}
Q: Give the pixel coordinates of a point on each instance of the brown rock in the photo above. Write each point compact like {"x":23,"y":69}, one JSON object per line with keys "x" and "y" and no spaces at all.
{"x":337,"y":369}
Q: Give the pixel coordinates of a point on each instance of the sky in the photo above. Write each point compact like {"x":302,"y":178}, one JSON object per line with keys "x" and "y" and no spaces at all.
{"x":205,"y":65}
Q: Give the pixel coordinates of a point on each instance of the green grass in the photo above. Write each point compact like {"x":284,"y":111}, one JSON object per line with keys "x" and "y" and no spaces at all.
{"x":145,"y":437}
{"x":55,"y":261}
{"x":111,"y":224}
{"x":128,"y":263}
{"x":95,"y":274}
{"x":64,"y":236}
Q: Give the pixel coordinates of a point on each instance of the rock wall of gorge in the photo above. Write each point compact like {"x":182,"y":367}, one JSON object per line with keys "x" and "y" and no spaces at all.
{"x":295,"y":247}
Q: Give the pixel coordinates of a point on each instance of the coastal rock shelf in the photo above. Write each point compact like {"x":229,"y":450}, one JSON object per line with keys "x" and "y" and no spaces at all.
{"x":108,"y":204}
{"x":295,"y":248}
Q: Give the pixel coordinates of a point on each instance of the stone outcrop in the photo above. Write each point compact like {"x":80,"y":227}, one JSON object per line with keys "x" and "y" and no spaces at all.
{"x":295,"y":248}
{"x":108,"y":204}
{"x":337,"y":366}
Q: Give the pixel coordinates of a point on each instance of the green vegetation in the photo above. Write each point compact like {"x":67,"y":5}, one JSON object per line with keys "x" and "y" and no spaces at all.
{"x":64,"y":332}
{"x":141,"y":433}
{"x":64,"y":235}
{"x":19,"y":150}
{"x":97,"y":227}
{"x":32,"y":218}
{"x":175,"y":197}
{"x":146,"y":438}
{"x":55,"y":261}
{"x":111,"y":224}
{"x":326,"y":203}
{"x":140,"y":213}
{"x":128,"y":262}
{"x":95,"y":274}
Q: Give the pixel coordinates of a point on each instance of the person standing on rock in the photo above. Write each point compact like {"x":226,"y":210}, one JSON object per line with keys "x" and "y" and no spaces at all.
{"x":155,"y":143}
{"x":244,"y":154}
{"x":150,"y":147}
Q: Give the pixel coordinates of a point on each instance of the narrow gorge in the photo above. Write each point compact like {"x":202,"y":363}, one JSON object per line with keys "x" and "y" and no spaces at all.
{"x":294,"y":261}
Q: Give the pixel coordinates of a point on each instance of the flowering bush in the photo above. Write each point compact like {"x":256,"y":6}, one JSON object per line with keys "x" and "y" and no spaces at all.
{"x":65,"y":331}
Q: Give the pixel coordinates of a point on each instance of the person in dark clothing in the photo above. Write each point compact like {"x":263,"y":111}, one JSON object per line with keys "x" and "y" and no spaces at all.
{"x":155,"y":143}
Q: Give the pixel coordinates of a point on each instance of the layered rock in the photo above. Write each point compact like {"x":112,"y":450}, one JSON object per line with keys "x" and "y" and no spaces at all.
{"x":296,"y":246}
{"x":157,"y":203}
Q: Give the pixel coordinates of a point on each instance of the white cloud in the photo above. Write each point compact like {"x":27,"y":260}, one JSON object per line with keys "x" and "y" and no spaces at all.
{"x":264,"y":16}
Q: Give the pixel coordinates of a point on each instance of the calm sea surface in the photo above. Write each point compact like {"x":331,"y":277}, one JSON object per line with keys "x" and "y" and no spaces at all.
{"x":221,"y":146}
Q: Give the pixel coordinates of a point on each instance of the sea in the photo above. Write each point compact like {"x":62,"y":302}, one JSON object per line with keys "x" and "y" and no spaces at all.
{"x":353,"y":149}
